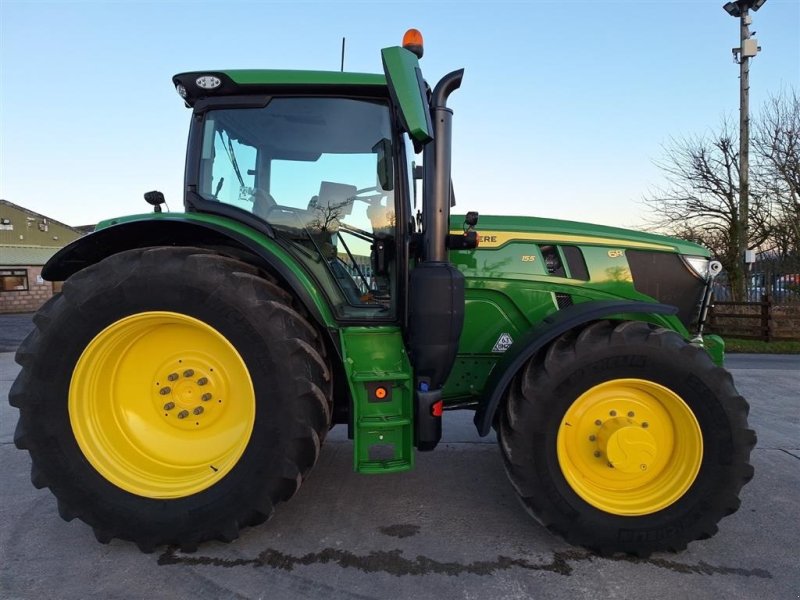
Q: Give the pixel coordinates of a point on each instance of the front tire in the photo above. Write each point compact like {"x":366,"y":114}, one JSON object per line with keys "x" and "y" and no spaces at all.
{"x":625,"y":438}
{"x":171,"y":396}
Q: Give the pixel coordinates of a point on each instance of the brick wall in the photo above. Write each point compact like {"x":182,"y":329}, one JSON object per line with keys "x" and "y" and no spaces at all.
{"x":30,"y":300}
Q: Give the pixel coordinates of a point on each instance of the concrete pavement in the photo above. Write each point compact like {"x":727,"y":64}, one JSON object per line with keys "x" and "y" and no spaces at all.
{"x":450,"y":529}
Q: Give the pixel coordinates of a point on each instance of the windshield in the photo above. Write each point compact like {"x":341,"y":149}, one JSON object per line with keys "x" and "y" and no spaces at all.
{"x":321,"y":172}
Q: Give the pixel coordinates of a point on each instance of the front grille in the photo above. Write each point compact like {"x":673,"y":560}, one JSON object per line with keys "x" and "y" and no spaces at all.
{"x":665,"y":277}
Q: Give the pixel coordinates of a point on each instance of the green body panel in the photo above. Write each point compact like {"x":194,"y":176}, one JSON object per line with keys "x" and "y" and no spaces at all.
{"x":312,"y":78}
{"x":236,"y":227}
{"x":556,"y":230}
{"x":715,"y":346}
{"x":383,"y":427}
{"x":402,"y":67}
{"x":509,"y":290}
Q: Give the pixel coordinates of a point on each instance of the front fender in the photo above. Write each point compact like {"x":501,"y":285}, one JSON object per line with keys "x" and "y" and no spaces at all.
{"x":539,"y":336}
{"x":190,"y":229}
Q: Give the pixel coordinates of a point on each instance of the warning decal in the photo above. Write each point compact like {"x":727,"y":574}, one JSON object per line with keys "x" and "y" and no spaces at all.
{"x":503,"y":343}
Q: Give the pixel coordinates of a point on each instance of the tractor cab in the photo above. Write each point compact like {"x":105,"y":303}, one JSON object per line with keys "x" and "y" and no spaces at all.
{"x":320,"y":172}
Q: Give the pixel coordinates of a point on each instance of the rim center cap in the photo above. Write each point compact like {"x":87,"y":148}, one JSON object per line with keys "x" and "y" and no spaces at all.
{"x":631,"y":449}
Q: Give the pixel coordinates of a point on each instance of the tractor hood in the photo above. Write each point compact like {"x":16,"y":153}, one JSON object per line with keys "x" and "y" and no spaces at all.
{"x":496,"y":231}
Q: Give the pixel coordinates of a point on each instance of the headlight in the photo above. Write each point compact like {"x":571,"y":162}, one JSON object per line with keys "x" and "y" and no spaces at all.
{"x":703,"y":267}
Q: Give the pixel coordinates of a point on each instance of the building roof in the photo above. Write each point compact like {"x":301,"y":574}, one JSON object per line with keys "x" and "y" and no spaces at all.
{"x":18,"y":256}
{"x":21,"y":227}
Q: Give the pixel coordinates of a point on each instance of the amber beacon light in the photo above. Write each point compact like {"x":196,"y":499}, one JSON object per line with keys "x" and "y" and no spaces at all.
{"x":412,"y":41}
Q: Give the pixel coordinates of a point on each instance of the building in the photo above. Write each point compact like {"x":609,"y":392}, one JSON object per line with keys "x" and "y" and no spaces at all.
{"x":27,"y":241}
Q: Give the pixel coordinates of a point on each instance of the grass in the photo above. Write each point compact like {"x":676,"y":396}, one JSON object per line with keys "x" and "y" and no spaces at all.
{"x":733,"y":345}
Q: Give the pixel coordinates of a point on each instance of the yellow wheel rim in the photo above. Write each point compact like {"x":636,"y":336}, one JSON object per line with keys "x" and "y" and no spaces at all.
{"x":629,"y":447}
{"x":161,"y":404}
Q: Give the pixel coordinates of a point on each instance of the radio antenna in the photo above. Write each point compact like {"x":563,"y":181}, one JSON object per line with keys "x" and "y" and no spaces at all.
{"x":342,"y":67}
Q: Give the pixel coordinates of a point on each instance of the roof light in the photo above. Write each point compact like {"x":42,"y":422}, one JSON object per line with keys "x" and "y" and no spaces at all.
{"x":734,"y":9}
{"x":208,"y":82}
{"x":181,"y":91}
{"x":412,"y":41}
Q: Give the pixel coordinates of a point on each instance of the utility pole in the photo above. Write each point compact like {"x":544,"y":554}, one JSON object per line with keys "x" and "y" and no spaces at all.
{"x":748,"y":48}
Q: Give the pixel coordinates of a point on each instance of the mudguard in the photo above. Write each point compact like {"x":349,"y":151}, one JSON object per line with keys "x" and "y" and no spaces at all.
{"x":188,"y":229}
{"x":539,"y":336}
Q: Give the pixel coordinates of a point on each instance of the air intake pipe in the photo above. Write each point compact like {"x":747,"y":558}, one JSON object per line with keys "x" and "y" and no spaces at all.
{"x":436,"y":287}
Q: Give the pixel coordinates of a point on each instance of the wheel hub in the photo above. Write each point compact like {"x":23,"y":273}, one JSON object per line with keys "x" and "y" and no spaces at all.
{"x":187,"y":393}
{"x":627,"y":446}
{"x":200,"y":413}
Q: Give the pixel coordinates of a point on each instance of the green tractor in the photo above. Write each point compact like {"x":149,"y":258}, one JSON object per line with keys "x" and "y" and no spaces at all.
{"x":182,"y":383}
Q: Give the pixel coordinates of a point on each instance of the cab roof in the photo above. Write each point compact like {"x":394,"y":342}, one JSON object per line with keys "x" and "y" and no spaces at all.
{"x":201,"y":84}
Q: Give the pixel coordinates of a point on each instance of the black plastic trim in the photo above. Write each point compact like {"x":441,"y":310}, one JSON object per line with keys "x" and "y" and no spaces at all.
{"x":223,"y":102}
{"x":539,"y":336}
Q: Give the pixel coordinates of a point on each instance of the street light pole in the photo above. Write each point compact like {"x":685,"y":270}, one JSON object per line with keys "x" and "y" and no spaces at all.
{"x":744,"y":134}
{"x":748,"y":48}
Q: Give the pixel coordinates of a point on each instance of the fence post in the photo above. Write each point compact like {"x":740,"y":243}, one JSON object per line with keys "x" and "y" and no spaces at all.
{"x":766,"y":317}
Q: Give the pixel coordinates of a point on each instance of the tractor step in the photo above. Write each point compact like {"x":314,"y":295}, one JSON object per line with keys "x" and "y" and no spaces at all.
{"x":379,"y":375}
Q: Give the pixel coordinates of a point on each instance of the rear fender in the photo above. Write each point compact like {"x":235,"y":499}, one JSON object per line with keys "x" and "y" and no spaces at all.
{"x":191,"y":230}
{"x":545,"y":332}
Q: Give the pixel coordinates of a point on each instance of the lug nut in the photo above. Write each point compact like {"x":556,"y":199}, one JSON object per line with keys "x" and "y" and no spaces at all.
{"x":198,"y":410}
{"x":202,"y":381}
{"x":630,"y":414}
{"x":597,"y":453}
{"x":172,"y":376}
{"x":169,"y":406}
{"x":205,"y":397}
{"x":613,"y":413}
{"x":183,"y":414}
{"x":598,"y":422}
{"x":592,"y":438}
{"x":645,"y":425}
{"x":188,"y":373}
{"x":165,"y":390}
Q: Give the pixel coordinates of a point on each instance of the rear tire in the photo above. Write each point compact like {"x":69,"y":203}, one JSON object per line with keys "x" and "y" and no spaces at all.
{"x":625,"y":438}
{"x":171,"y":396}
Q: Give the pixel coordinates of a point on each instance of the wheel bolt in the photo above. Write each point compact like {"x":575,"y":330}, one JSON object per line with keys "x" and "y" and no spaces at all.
{"x":169,"y":406}
{"x":592,"y":438}
{"x":205,"y":397}
{"x":202,"y":381}
{"x":598,"y":422}
{"x":172,"y":376}
{"x":630,"y":413}
{"x":183,"y":414}
{"x":188,"y":373}
{"x":198,"y":410}
{"x":597,"y":454}
{"x":645,"y":425}
{"x":613,"y":413}
{"x":165,"y":390}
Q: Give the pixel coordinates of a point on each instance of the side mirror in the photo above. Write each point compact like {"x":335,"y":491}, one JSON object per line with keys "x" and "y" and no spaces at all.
{"x":408,"y":92}
{"x":385,"y":166}
{"x":156,"y":199}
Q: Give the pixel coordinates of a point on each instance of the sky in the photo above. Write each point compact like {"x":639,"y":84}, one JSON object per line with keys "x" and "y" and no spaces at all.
{"x":565,"y":106}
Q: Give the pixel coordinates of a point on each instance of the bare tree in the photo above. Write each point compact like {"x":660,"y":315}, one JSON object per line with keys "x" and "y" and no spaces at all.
{"x":700,"y":199}
{"x":776,"y":146}
{"x":327,"y":215}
